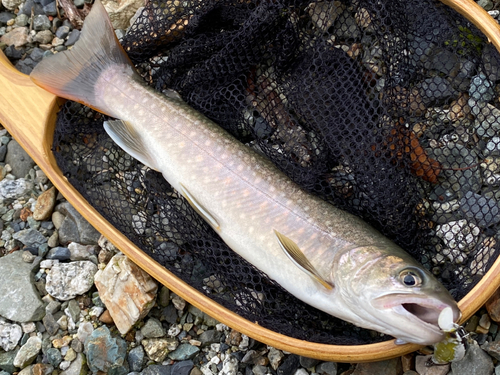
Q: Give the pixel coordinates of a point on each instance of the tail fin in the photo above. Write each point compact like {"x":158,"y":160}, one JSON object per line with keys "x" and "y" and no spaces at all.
{"x":72,"y":74}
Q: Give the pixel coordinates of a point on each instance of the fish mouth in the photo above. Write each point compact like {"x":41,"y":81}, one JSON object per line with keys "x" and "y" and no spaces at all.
{"x":422,"y":312}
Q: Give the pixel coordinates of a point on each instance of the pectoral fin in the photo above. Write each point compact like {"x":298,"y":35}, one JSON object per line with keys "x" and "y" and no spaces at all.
{"x":297,"y":256}
{"x":125,"y":136}
{"x":199,"y":208}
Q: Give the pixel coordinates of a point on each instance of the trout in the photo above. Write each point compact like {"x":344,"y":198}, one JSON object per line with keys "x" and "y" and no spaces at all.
{"x":324,"y":256}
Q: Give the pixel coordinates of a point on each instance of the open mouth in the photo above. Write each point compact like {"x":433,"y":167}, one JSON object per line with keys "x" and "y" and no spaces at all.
{"x":425,"y":313}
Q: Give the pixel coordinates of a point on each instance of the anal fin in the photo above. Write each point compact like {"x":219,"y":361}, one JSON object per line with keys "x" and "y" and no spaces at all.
{"x":293,"y":252}
{"x":125,"y":136}
{"x":199,"y":208}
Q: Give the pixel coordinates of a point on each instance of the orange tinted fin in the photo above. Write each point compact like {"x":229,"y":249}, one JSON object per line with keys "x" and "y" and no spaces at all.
{"x":72,"y":74}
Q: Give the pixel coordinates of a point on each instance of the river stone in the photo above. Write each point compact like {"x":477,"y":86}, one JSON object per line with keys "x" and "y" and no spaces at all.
{"x":45,"y":204}
{"x":54,"y":356}
{"x":127,"y":291}
{"x":77,"y":367}
{"x":152,"y":328}
{"x":20,"y":300}
{"x":28,"y":352}
{"x":30,"y":237}
{"x":158,"y":348}
{"x":11,"y":4}
{"x":387,"y":367}
{"x":475,"y":361}
{"x":103,"y":351}
{"x":121,"y":12}
{"x":135,"y":358}
{"x":7,"y":361}
{"x":10,"y":334}
{"x":65,"y":281}
{"x":17,"y":158}
{"x":157,"y":370}
{"x":183,"y":352}
{"x":81,"y":252}
{"x":14,"y":189}
{"x":87,"y":235}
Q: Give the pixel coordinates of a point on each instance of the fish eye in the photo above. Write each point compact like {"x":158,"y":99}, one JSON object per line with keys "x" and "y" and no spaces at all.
{"x":410,"y":278}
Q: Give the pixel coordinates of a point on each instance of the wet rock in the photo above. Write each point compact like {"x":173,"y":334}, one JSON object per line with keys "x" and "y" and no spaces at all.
{"x":87,"y":235}
{"x":45,"y":204}
{"x":152,"y":328}
{"x":307,"y":362}
{"x":20,"y":300}
{"x":28,"y":352}
{"x":14,"y":189}
{"x":105,"y":353}
{"x":65,"y":281}
{"x":476,"y":361}
{"x":183,"y":352}
{"x":127,"y":291}
{"x":10,"y":334}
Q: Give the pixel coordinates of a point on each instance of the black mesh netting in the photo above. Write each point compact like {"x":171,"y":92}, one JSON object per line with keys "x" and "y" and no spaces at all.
{"x":387,"y":109}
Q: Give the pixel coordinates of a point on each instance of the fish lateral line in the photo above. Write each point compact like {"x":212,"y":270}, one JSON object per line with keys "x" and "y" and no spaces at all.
{"x":293,"y":252}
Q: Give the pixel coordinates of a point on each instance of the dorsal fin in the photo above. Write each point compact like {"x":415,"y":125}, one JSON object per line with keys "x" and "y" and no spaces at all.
{"x":293,"y":252}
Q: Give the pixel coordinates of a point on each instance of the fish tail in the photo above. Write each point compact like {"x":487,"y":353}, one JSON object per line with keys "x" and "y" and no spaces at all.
{"x":73,"y":74}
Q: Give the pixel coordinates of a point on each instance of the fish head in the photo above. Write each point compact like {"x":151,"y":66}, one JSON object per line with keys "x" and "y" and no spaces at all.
{"x":398,"y":295}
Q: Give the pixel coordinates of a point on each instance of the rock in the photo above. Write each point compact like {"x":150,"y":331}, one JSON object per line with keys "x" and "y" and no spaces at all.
{"x":14,"y":189}
{"x":104,"y":353}
{"x":41,"y":369}
{"x":327,"y":368}
{"x":73,"y":36}
{"x":20,"y":300}
{"x":121,"y":12}
{"x":43,"y":37}
{"x":84,"y":330}
{"x":436,"y":89}
{"x":289,"y":366}
{"x":476,"y":361}
{"x":211,"y":336}
{"x":16,"y":157}
{"x":87,"y":235}
{"x":45,"y":204}
{"x":62,"y":31}
{"x":28,"y":352}
{"x":461,"y":235}
{"x":157,"y":370}
{"x":59,"y":253}
{"x":54,"y":356}
{"x":492,"y":348}
{"x":481,"y":88}
{"x":41,"y":22}
{"x":127,"y":291}
{"x":158,"y":349}
{"x":481,"y":210}
{"x":423,"y":369}
{"x":229,"y":366}
{"x":10,"y":334}
{"x":11,"y":4}
{"x":183,"y":352}
{"x":77,"y":367}
{"x":307,"y":362}
{"x":152,"y":328}
{"x":493,"y":306}
{"x":50,"y":324}
{"x":30,"y":237}
{"x":106,"y":318}
{"x":5,"y":17}
{"x":491,"y":62}
{"x":80,"y":252}
{"x":387,"y":367}
{"x":135,"y":358}
{"x":275,"y":357}
{"x":65,"y":281}
{"x":7,"y":361}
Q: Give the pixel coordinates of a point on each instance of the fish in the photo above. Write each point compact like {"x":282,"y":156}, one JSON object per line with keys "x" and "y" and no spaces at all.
{"x":326,"y":257}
